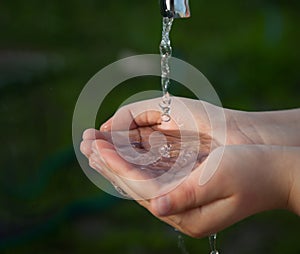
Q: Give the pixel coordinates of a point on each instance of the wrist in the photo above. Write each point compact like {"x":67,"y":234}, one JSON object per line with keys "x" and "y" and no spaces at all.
{"x":266,"y":128}
{"x":243,"y":128}
{"x":284,"y":167}
{"x":278,"y":166}
{"x":293,"y":203}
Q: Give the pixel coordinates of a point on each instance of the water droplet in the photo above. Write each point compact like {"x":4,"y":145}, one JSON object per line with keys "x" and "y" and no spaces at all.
{"x":165,"y":150}
{"x":120,"y":190}
{"x":165,"y":118}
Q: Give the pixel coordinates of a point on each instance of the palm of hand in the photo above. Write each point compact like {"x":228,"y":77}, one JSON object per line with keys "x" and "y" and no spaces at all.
{"x":203,"y":202}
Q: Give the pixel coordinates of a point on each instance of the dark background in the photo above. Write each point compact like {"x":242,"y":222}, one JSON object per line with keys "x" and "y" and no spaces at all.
{"x":249,"y":50}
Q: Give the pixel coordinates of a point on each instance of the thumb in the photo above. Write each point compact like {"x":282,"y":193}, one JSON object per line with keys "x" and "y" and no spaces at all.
{"x":132,"y":116}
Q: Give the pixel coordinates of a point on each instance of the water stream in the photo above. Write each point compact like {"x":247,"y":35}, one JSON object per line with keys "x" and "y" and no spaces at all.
{"x":165,"y":52}
{"x":181,"y":244}
{"x":165,"y":105}
{"x":213,"y":244}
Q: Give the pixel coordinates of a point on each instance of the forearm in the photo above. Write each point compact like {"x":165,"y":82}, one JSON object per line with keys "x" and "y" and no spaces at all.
{"x":268,"y":128}
{"x":274,"y":175}
{"x":292,"y":159}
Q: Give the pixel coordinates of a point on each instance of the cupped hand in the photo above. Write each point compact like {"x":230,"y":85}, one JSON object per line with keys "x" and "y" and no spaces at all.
{"x":246,"y":181}
{"x":136,"y":137}
{"x":213,"y":195}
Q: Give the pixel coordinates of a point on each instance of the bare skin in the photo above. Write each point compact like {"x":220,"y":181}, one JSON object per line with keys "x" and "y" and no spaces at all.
{"x":259,"y":168}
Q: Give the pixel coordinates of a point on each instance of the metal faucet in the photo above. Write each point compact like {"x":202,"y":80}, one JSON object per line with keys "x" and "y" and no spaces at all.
{"x":175,"y":8}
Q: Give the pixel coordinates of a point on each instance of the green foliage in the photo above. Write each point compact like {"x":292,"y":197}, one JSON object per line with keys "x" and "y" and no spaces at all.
{"x":50,"y":49}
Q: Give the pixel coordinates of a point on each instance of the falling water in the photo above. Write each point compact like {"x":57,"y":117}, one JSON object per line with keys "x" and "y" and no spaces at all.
{"x":165,"y":104}
{"x":213,"y":243}
{"x":181,"y":244}
{"x":166,"y":53}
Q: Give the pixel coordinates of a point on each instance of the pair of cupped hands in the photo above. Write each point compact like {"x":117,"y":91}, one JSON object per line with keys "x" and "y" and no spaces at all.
{"x":245,"y":168}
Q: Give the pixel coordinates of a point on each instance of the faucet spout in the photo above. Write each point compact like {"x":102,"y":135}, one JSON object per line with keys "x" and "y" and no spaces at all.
{"x":175,"y":8}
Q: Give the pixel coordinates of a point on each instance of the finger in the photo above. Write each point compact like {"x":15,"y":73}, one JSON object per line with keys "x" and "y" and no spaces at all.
{"x":92,"y":134}
{"x":134,"y":115}
{"x":86,"y":147}
{"x":89,"y":136}
{"x":100,"y":144}
{"x":126,"y":121}
{"x":119,"y":186}
{"x":96,"y":163}
{"x":125,"y":168}
{"x":116,"y":163}
{"x":141,"y":184}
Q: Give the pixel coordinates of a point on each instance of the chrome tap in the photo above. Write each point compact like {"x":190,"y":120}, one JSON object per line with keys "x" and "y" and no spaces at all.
{"x":175,"y":8}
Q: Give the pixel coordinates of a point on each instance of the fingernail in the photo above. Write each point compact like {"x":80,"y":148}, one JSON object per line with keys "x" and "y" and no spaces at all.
{"x":104,"y":127}
{"x":89,"y":134}
{"x":162,"y":205}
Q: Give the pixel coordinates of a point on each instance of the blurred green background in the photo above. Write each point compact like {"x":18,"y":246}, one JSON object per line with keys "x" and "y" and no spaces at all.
{"x":249,"y":50}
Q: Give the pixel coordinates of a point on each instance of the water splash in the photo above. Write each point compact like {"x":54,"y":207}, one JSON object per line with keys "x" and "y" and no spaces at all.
{"x":165,"y":150}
